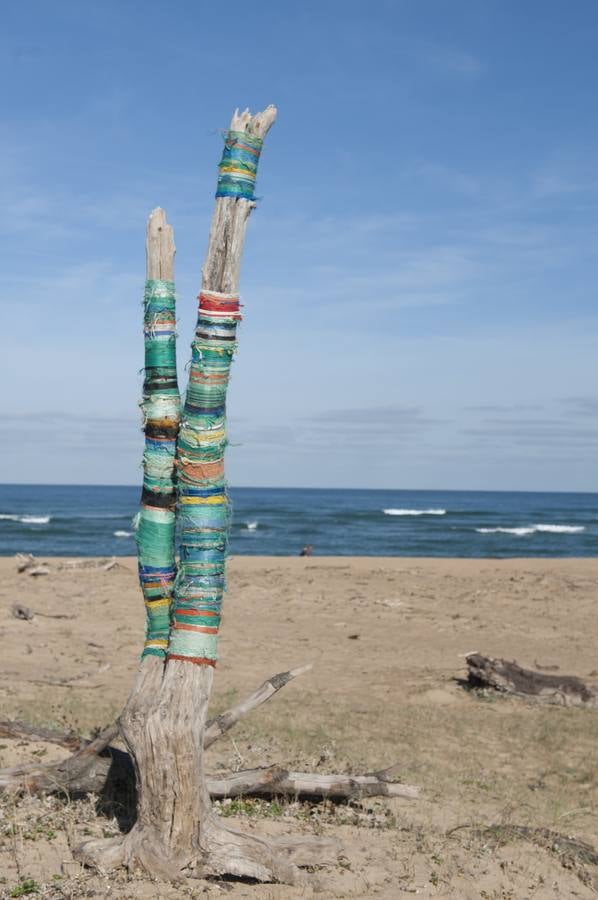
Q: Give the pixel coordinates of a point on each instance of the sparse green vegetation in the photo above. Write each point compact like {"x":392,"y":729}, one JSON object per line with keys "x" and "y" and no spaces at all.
{"x":26,"y":886}
{"x":245,"y":806}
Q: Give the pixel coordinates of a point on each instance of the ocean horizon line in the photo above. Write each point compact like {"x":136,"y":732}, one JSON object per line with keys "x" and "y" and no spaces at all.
{"x":278,"y":487}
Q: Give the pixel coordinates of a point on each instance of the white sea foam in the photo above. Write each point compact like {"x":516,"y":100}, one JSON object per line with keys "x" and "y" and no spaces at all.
{"x":520,"y":532}
{"x":26,"y":520}
{"x":561,"y":529}
{"x":251,"y":526}
{"x":523,"y":530}
{"x":123,"y":534}
{"x":414,"y":512}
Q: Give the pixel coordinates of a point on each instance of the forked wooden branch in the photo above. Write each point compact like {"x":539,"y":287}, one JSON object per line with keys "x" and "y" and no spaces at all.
{"x":511,"y":678}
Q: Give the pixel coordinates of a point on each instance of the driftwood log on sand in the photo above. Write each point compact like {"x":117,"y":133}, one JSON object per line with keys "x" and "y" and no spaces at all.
{"x":511,"y":678}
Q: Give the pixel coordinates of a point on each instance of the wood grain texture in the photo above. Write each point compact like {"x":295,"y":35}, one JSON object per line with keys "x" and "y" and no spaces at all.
{"x":159,"y":247}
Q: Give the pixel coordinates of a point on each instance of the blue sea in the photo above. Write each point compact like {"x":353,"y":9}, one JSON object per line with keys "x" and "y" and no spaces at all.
{"x":53,"y":520}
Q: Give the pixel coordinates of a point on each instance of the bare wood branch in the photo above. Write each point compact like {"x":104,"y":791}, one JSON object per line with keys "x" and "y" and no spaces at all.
{"x":511,"y":678}
{"x":84,"y":771}
{"x":222,"y":723}
{"x":159,"y":246}
{"x":227,"y":233}
{"x":276,"y":781}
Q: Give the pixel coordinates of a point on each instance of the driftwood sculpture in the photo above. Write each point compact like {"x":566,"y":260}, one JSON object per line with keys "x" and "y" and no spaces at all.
{"x":511,"y":678}
{"x":164,"y":723}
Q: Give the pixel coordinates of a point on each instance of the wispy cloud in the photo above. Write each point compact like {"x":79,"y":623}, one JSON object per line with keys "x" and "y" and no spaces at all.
{"x":59,"y":431}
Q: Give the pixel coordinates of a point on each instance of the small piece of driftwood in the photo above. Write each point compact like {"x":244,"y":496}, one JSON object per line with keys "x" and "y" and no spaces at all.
{"x":22,"y":612}
{"x":25,"y":561}
{"x":511,"y":678}
{"x":103,"y":564}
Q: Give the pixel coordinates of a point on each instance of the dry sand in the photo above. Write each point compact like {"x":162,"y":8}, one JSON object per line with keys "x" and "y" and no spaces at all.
{"x":387,"y":638}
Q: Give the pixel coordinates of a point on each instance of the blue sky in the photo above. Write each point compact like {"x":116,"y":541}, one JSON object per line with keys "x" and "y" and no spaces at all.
{"x":420,"y":276}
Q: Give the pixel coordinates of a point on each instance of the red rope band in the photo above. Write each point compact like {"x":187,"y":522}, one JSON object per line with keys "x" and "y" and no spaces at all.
{"x":198,"y":660}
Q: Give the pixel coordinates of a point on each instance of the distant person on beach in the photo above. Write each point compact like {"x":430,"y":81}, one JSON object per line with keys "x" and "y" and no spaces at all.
{"x":307,"y":550}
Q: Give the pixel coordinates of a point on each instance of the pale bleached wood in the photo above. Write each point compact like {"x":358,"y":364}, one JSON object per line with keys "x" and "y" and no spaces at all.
{"x":159,"y":247}
{"x":271,"y":686}
{"x":86,"y":772}
{"x":145,"y":698}
{"x":222,"y":265}
{"x":275,"y":781}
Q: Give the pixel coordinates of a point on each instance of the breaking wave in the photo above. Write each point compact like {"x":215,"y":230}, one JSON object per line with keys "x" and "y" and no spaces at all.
{"x":414,"y":512}
{"x":26,"y":520}
{"x":523,"y":530}
{"x":123,"y":534}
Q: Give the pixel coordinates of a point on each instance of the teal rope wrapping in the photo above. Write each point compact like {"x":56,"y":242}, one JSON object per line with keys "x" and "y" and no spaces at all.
{"x":157,"y":518}
{"x":238,"y":167}
{"x":203,"y":505}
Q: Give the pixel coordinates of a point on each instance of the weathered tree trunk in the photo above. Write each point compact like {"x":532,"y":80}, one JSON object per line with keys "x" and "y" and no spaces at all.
{"x":510,"y":678}
{"x":164,"y":721}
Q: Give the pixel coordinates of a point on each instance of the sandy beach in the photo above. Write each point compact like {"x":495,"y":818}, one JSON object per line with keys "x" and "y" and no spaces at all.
{"x":387,"y":639}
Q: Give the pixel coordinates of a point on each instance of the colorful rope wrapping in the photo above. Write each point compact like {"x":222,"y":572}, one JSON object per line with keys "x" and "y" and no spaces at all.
{"x":161,"y":407}
{"x":238,"y":167}
{"x":203,"y":507}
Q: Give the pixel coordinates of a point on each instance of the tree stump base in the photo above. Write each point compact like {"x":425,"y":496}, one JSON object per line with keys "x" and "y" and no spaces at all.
{"x":177,"y":834}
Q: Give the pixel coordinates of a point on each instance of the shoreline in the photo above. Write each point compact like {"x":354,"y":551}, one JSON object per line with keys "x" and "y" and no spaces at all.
{"x":61,"y":558}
